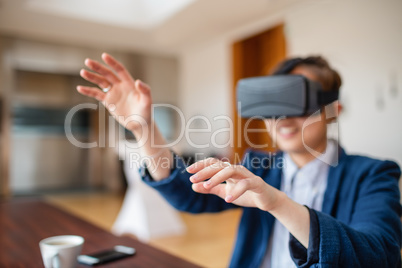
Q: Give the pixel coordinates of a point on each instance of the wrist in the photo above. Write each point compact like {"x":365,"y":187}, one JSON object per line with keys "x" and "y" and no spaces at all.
{"x":279,"y":201}
{"x":143,"y":131}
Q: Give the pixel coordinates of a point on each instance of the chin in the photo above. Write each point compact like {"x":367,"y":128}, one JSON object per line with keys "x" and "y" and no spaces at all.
{"x":291,"y":146}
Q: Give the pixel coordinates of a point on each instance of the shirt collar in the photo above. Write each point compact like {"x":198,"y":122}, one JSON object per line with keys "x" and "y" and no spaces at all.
{"x":311,"y":169}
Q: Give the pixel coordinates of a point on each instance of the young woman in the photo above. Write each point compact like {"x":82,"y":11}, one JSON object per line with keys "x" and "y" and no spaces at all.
{"x":336,"y":211}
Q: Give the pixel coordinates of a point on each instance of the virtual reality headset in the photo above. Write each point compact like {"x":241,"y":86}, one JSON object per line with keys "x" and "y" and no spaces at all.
{"x":281,"y":95}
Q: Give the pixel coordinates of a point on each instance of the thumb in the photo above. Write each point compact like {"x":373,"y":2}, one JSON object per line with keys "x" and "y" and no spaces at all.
{"x":142,"y":87}
{"x":219,"y":190}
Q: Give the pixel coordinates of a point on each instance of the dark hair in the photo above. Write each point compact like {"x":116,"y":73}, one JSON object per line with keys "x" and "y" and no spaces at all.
{"x":328,"y":77}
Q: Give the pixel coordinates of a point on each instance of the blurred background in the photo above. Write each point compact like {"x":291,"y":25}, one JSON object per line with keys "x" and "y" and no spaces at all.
{"x":191,"y":52}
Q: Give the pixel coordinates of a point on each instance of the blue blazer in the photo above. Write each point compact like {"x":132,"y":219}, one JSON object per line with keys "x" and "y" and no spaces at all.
{"x":359,"y":225}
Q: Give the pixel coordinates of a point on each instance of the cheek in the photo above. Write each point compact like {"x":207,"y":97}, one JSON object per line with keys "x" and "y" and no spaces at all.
{"x":315,"y":132}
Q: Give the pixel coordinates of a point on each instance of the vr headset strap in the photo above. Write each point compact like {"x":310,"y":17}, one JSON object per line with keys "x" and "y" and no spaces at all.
{"x":326,"y":97}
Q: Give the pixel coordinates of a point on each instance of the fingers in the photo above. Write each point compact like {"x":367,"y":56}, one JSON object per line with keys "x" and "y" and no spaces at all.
{"x":197,"y":166}
{"x":216,"y":171}
{"x":239,"y":189}
{"x":142,"y":87}
{"x":95,"y":78}
{"x":218,"y":190}
{"x":225,"y":173}
{"x":208,"y":168}
{"x":117,"y":67}
{"x":231,"y":193}
{"x":103,"y":70}
{"x":205,"y":174}
{"x":92,"y":92}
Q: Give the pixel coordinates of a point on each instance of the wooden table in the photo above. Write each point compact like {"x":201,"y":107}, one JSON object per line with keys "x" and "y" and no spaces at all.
{"x":24,"y":222}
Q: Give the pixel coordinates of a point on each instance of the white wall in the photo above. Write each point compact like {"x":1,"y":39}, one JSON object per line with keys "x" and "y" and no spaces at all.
{"x":205,"y":89}
{"x":362,"y":39}
{"x":161,"y":73}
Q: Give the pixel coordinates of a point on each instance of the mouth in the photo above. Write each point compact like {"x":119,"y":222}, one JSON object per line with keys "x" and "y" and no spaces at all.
{"x":287,"y":131}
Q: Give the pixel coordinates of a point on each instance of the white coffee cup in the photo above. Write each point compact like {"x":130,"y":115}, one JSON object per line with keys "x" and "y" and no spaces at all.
{"x":61,"y":251}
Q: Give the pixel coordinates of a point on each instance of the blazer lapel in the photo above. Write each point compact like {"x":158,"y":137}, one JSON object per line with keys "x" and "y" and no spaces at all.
{"x":333,"y":184}
{"x":275,"y":175}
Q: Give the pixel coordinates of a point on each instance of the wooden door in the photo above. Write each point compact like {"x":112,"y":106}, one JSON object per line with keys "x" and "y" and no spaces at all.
{"x":255,"y":56}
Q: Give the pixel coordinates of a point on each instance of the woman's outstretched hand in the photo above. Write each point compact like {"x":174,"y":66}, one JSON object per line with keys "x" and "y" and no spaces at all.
{"x":128,"y":100}
{"x":241,"y":186}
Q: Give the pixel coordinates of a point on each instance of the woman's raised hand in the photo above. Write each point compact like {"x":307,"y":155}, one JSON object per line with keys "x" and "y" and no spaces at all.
{"x":241,"y":186}
{"x":128,"y":100}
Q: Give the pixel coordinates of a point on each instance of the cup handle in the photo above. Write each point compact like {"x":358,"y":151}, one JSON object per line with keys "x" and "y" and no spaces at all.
{"x":55,"y":261}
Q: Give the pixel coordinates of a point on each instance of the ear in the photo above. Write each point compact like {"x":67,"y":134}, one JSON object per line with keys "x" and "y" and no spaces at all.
{"x":332,"y":111}
{"x":339,"y":107}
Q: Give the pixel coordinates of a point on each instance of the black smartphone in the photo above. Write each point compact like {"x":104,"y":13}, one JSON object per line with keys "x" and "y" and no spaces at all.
{"x":118,"y":252}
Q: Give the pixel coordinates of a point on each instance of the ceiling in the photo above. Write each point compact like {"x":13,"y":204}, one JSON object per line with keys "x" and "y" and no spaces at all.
{"x":137,"y":14}
{"x":133,"y":25}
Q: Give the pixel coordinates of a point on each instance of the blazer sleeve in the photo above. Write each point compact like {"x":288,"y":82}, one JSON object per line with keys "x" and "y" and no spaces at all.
{"x":373,"y":236}
{"x":176,"y":189}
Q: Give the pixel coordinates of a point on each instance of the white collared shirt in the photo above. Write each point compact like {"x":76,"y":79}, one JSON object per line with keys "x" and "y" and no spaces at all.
{"x":305,"y":186}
